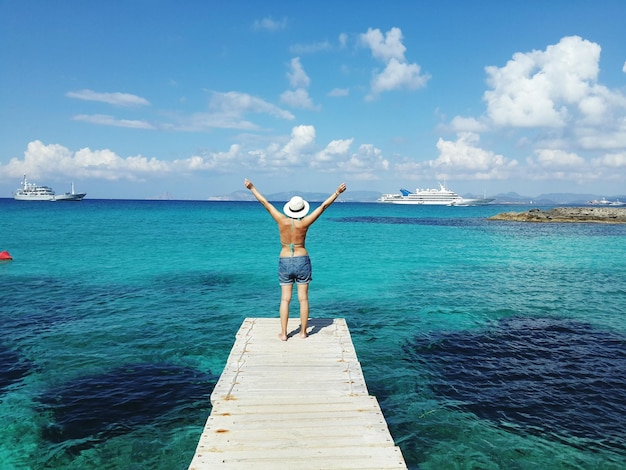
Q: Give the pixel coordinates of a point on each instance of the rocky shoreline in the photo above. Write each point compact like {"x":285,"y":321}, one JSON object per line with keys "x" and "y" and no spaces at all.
{"x":602,"y":215}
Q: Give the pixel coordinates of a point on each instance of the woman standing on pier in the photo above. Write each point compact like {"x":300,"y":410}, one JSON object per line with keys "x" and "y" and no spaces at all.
{"x":294,"y":264}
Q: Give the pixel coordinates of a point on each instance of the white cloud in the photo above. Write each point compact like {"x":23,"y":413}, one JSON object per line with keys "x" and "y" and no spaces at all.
{"x":612,"y":161}
{"x":297,"y":76}
{"x":234,"y":103}
{"x":269,"y":24}
{"x":467,"y":124}
{"x":117,"y":99}
{"x":557,"y":159}
{"x":106,"y":120}
{"x":299,"y":80}
{"x":367,"y":164}
{"x":609,"y":135}
{"x":336,"y":149}
{"x":226,"y":111}
{"x":218,"y":161}
{"x":385,"y":47}
{"x":302,"y":142}
{"x":298,"y":99}
{"x":543,"y":88}
{"x":40,"y":159}
{"x":464,"y":159}
{"x":557,"y":164}
{"x":550,"y":102}
{"x":624,"y":67}
{"x":398,"y":73}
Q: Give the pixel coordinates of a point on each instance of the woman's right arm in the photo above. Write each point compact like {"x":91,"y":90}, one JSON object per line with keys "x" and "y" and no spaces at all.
{"x":270,"y":208}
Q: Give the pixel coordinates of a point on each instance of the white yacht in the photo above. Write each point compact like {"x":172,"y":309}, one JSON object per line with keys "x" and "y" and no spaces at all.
{"x":432,"y":197}
{"x":34,"y":192}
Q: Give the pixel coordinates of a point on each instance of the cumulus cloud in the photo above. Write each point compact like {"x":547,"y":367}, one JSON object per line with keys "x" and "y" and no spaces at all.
{"x":385,"y":47}
{"x":398,"y":73}
{"x":551,"y":101}
{"x":116,"y":99}
{"x":463,"y":158}
{"x":302,"y":141}
{"x":40,"y":159}
{"x":546,"y":88}
{"x":336,"y":149}
{"x":298,"y":97}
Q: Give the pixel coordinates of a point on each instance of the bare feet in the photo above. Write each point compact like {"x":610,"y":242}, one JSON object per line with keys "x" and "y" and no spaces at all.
{"x":304,"y":335}
{"x":282,"y":336}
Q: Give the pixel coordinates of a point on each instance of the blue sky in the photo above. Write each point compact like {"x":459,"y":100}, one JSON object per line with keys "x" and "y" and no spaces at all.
{"x":147,"y":98}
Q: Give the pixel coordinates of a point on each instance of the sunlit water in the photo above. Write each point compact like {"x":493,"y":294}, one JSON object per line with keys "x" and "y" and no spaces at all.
{"x":489,"y":345}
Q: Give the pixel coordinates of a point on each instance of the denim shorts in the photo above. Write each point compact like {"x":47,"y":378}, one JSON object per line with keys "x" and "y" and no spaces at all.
{"x":294,"y":269}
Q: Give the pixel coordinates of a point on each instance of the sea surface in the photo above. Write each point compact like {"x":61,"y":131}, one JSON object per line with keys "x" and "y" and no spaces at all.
{"x":489,"y":345}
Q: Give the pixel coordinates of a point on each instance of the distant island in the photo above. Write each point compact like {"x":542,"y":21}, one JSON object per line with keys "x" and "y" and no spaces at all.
{"x":603,"y":215}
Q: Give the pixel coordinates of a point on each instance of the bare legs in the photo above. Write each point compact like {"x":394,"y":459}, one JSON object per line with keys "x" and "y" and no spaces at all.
{"x":303,"y":299}
{"x":285,"y":299}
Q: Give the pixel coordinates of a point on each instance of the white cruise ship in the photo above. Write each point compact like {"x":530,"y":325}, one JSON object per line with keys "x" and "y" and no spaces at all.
{"x":34,"y":192}
{"x":432,"y":197}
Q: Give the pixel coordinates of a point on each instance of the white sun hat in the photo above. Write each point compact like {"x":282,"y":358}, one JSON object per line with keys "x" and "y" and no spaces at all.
{"x":296,"y":208}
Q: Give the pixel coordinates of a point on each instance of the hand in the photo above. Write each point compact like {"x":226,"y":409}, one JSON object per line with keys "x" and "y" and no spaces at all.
{"x":247,"y":183}
{"x":341,"y":188}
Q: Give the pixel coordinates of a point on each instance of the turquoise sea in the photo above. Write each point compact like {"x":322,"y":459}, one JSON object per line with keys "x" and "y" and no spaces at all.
{"x":489,"y":345}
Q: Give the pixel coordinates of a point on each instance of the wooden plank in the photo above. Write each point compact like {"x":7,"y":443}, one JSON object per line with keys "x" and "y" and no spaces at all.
{"x":300,"y":404}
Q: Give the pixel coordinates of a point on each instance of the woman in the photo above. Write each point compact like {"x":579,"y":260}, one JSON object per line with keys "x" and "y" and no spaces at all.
{"x":294,"y":264}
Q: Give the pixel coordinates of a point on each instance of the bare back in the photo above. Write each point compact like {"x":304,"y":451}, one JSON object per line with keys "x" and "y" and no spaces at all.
{"x":292,"y":236}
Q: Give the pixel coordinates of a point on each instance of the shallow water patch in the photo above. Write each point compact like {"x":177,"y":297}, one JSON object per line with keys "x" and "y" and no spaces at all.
{"x":540,"y":375}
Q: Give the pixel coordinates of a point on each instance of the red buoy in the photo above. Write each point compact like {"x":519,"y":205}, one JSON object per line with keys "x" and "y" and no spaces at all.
{"x":4,"y":255}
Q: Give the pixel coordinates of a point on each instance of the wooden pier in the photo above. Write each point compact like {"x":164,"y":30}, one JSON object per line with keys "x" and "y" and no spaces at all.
{"x":301,"y":403}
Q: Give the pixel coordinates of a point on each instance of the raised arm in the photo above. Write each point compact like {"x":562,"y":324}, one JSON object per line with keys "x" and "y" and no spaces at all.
{"x":275,"y":213}
{"x":312,"y":217}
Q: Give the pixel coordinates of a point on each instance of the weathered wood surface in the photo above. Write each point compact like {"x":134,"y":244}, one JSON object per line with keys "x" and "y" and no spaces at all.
{"x":300,"y":404}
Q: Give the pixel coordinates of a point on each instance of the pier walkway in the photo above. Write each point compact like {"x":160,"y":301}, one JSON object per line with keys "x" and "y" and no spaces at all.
{"x":301,"y":403}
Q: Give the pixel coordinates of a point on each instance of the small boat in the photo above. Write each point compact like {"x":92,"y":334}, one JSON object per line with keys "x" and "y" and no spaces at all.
{"x":605,"y":202}
{"x":5,"y":256}
{"x":35,"y":192}
{"x":432,"y":197}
